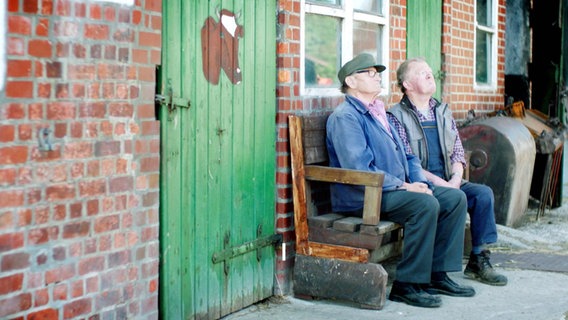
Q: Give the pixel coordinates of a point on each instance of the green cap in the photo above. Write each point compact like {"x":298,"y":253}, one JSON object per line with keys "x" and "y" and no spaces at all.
{"x":360,"y":62}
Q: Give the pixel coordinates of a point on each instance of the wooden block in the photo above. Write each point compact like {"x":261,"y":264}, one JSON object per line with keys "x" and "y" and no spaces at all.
{"x":348,"y":224}
{"x":324,"y":220}
{"x":350,"y":239}
{"x":361,"y":283}
{"x":383,"y":227}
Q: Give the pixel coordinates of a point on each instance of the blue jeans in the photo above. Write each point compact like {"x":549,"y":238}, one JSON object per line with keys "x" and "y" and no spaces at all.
{"x":480,"y":205}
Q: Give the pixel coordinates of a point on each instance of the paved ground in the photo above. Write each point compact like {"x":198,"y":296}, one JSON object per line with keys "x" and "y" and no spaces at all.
{"x":533,"y":256}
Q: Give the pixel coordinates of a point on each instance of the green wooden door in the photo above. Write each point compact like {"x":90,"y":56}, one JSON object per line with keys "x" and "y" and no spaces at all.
{"x":424,"y":35}
{"x":217,"y":85}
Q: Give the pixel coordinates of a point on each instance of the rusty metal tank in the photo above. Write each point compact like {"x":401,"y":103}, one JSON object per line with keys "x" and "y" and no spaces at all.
{"x":502,"y":156}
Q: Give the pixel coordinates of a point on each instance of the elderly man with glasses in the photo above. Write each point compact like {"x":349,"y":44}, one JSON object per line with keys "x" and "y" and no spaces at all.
{"x":360,"y":137}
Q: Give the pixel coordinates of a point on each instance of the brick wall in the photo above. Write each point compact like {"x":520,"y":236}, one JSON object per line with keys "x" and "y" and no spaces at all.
{"x":458,"y":38}
{"x":79,"y":213}
{"x":459,"y":91}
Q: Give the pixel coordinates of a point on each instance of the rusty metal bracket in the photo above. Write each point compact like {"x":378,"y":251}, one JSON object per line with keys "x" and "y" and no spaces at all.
{"x":246,"y":247}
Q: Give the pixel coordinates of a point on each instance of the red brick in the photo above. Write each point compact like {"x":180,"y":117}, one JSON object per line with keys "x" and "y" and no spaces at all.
{"x":38,"y":236}
{"x":13,"y":155}
{"x":41,"y":298}
{"x":15,"y":304}
{"x":146,"y":74}
{"x":45,"y":314}
{"x":58,"y":253}
{"x":76,"y":210}
{"x":92,"y":284}
{"x":13,"y":5}
{"x":19,"y":25}
{"x":62,"y":90}
{"x":96,"y":31}
{"x":77,"y":308}
{"x":78,"y":90}
{"x":78,"y":150}
{"x":84,"y":72}
{"x":149,"y":39}
{"x":15,"y":261}
{"x":35,"y":111}
{"x":7,"y":133}
{"x":19,"y":89}
{"x":106,"y":224}
{"x":77,"y":289}
{"x":24,"y":217}
{"x":31,"y":6}
{"x":91,"y":188}
{"x":150,"y":128}
{"x":80,"y":10}
{"x":7,"y":176}
{"x":150,"y":164}
{"x":15,"y":46}
{"x":150,"y":199}
{"x":62,"y":49}
{"x":11,"y":198}
{"x":60,"y":192}
{"x":76,"y":230}
{"x":106,"y":148}
{"x":92,"y":207}
{"x":93,"y":264}
{"x":63,"y":8}
{"x":42,"y":28}
{"x":153,"y":5}
{"x":79,"y":51}
{"x":121,"y":184}
{"x":60,"y":292}
{"x":11,"y":283}
{"x":25,"y":132}
{"x":59,"y":274}
{"x":40,"y":48}
{"x":19,"y":68}
{"x":61,"y":111}
{"x":109,"y":14}
{"x":54,"y":69}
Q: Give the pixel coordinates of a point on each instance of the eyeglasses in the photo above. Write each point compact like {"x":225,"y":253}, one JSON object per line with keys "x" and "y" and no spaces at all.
{"x":370,"y":72}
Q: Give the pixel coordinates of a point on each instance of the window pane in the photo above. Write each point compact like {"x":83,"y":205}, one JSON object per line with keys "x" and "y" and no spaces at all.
{"x":373,"y":6}
{"x":483,"y":57}
{"x":325,"y":2}
{"x":367,"y":38}
{"x":323,"y":47}
{"x":484,"y":12}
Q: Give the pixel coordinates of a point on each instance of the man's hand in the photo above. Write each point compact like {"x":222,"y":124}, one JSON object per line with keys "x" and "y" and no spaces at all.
{"x":455,"y":181}
{"x":419,"y":187}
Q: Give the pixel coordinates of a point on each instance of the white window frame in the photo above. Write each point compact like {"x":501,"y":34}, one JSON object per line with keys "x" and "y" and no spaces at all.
{"x":493,"y":32}
{"x":347,"y":15}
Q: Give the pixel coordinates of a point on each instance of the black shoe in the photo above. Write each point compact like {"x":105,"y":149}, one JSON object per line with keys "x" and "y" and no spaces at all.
{"x":448,"y":287}
{"x":480,"y":269}
{"x":412,"y":294}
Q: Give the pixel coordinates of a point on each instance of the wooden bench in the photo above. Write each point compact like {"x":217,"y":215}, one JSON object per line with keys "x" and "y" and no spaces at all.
{"x":336,"y":255}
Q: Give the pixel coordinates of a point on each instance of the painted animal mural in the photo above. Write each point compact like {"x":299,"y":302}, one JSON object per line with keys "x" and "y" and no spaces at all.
{"x":220,"y":46}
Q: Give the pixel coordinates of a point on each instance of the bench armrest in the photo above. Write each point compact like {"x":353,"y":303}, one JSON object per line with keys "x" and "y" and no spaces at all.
{"x":372,"y":181}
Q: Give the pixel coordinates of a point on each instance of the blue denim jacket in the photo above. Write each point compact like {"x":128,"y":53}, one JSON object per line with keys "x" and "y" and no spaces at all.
{"x":356,"y":140}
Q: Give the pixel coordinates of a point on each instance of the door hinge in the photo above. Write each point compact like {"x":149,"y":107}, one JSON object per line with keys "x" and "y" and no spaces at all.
{"x":256,"y":244}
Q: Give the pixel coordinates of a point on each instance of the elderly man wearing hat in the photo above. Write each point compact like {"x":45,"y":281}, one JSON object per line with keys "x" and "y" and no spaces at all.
{"x":360,"y":137}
